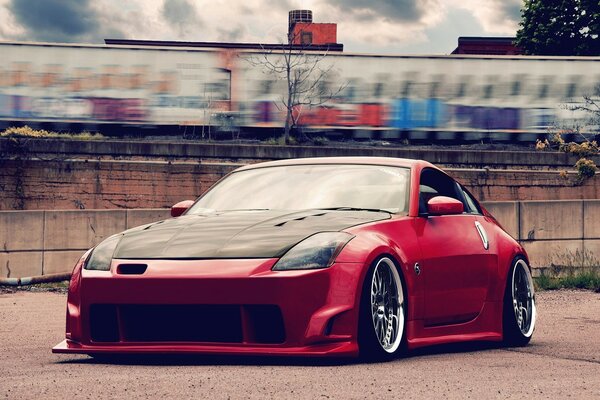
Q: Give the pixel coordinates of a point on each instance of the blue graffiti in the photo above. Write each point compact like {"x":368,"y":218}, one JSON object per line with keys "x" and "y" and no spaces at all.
{"x":408,"y":114}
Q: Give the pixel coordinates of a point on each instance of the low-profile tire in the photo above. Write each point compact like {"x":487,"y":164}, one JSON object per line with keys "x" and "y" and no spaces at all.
{"x":382,"y":322}
{"x":519,"y":310}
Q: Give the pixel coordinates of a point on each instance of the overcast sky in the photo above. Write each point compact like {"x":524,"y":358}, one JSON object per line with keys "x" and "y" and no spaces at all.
{"x":372,"y":26}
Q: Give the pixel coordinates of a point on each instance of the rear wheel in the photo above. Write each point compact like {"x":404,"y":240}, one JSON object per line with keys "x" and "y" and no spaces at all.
{"x":383,"y":310}
{"x":519,"y":312}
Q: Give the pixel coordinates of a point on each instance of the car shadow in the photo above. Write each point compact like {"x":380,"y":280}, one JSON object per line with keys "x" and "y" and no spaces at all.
{"x":229,"y":360}
{"x":463,"y":347}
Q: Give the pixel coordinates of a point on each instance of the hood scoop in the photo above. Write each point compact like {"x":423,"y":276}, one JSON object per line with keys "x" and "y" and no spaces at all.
{"x":300,"y":219}
{"x":234,"y":234}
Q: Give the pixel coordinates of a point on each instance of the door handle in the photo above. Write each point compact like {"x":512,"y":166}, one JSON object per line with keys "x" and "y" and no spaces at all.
{"x":482,"y":235}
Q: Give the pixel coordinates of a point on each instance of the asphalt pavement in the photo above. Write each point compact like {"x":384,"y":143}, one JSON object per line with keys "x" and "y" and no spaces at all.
{"x":562,"y":361}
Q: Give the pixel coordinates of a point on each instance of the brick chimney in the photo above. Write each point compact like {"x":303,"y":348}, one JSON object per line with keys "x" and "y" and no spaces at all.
{"x":303,"y":31}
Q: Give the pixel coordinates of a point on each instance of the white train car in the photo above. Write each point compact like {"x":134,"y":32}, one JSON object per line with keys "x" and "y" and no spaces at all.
{"x":383,"y":96}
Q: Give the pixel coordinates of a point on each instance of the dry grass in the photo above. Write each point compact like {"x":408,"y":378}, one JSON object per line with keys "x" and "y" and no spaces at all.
{"x":27,"y":132}
{"x":583,"y":280}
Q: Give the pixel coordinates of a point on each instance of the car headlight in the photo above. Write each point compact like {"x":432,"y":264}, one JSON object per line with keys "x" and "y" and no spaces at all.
{"x":102,"y":254}
{"x":316,"y":251}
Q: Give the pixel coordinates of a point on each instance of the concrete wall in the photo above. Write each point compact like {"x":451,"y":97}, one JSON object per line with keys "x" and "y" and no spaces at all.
{"x":48,"y":242}
{"x":245,"y":153}
{"x":133,"y":184}
{"x":557,"y":235}
{"x":94,"y":184}
{"x":61,"y":174}
{"x":565,"y":233}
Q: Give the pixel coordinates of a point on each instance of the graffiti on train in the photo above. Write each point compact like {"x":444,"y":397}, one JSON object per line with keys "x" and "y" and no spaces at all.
{"x":144,"y":87}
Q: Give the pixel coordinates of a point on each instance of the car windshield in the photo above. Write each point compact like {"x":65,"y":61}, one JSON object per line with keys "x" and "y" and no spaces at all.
{"x":301,"y":187}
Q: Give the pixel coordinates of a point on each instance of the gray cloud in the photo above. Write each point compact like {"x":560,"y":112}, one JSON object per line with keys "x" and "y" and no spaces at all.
{"x":183,"y":15}
{"x":510,"y":10}
{"x":396,"y":10}
{"x":283,"y":5}
{"x":232,"y":34}
{"x":60,"y":20}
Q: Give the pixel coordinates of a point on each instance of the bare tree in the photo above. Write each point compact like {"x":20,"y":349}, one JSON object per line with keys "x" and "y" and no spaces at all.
{"x":582,"y":145}
{"x":305,"y":75}
{"x":590,"y":104}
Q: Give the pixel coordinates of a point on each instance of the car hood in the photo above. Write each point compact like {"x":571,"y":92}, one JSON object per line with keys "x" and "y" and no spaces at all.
{"x":234,"y":234}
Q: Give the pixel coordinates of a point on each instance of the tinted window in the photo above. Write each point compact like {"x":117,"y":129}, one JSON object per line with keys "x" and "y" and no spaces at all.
{"x":436,"y":183}
{"x":471,"y":205}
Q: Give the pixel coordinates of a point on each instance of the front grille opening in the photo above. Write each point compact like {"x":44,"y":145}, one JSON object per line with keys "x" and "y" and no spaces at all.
{"x":187,"y":323}
{"x":266,"y":324}
{"x":103,"y":323}
{"x":181,"y":323}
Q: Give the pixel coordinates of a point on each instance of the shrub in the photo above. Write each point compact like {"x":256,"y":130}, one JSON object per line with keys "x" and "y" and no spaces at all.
{"x":27,"y":132}
{"x":586,"y":168}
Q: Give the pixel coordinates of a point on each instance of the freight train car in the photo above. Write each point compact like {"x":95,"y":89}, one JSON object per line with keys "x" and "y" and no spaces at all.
{"x":149,"y":89}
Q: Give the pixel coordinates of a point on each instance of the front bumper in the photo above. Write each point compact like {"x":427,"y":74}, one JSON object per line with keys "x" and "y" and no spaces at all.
{"x":319,"y":308}
{"x":339,"y":349}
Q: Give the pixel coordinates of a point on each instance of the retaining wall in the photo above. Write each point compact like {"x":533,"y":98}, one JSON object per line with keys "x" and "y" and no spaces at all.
{"x":49,"y":242}
{"x":134,"y":184}
{"x":62,"y":174}
{"x":45,"y":242}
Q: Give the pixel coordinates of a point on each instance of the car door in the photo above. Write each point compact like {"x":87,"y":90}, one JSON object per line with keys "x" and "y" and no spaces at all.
{"x":456,"y":261}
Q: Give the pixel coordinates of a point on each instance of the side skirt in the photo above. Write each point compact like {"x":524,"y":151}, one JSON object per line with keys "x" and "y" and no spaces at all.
{"x":487,"y":326}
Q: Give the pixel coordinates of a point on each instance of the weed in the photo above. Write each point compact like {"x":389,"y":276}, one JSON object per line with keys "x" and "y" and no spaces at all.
{"x":27,"y":132}
{"x":320,"y":141}
{"x":586,"y":168}
{"x":280,"y":141}
{"x":581,"y":280}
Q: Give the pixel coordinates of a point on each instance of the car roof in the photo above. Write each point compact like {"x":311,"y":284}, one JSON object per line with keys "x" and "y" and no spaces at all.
{"x":390,"y":161}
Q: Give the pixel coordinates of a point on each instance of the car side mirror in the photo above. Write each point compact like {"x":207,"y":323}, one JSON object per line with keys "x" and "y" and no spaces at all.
{"x":181,"y":207}
{"x":442,"y":205}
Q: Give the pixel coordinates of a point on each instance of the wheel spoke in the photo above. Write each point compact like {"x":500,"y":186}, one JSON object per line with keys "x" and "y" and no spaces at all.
{"x":522,"y":298}
{"x":387,"y":302}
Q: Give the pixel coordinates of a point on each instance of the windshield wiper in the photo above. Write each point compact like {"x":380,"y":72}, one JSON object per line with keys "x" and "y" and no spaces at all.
{"x":355,"y":209}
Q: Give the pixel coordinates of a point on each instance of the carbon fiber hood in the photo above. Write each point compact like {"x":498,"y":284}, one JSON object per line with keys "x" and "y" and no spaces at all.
{"x":234,"y":234}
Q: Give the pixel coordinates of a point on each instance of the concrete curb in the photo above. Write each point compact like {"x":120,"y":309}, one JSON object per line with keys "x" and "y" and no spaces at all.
{"x":31,"y":280}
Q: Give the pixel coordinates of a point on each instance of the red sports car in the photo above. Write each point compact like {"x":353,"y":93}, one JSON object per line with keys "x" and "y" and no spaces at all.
{"x":324,"y":256}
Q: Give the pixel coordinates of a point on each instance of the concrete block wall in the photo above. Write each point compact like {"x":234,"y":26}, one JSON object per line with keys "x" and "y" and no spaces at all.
{"x":45,"y":242}
{"x":49,"y":242}
{"x":556,"y":234}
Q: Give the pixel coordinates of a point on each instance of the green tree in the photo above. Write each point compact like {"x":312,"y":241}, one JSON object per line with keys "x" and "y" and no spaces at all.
{"x":560,"y":28}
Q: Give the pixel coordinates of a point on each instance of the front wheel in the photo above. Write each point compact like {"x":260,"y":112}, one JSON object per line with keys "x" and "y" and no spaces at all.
{"x":519,"y":311}
{"x":383,"y":310}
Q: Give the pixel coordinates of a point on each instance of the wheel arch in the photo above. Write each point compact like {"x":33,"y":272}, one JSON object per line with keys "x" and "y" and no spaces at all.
{"x":508,"y":251}
{"x":366,"y":247}
{"x":395,"y":254}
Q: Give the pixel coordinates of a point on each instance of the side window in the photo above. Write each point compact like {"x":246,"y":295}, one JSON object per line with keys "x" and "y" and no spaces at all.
{"x":471,"y":205}
{"x":435,"y":183}
{"x":426,"y":193}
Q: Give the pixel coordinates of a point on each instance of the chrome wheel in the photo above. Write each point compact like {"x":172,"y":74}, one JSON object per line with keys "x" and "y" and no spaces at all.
{"x":387,"y":305}
{"x":523,"y":298}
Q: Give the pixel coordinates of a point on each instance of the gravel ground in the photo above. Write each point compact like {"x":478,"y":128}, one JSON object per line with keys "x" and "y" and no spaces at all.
{"x":562,"y":361}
